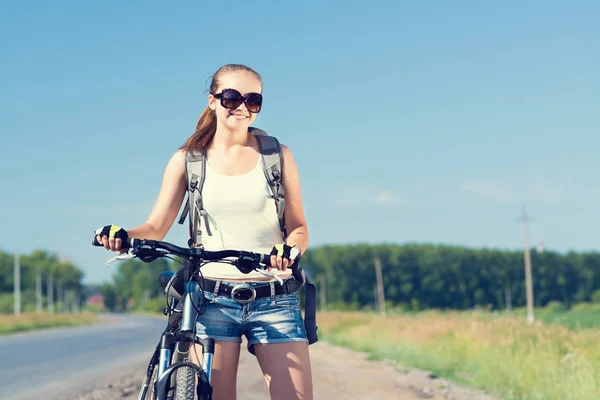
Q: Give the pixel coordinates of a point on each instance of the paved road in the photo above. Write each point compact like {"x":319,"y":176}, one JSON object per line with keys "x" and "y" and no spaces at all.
{"x":338,"y":374}
{"x":43,"y":364}
{"x":107,"y":361}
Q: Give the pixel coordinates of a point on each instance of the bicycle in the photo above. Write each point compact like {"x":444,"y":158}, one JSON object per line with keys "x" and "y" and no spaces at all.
{"x":169,"y":367}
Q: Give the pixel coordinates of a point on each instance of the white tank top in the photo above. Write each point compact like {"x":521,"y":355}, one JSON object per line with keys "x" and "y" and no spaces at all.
{"x":242,"y":216}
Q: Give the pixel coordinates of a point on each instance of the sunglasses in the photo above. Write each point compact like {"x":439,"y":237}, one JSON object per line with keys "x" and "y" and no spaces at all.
{"x":232,"y":99}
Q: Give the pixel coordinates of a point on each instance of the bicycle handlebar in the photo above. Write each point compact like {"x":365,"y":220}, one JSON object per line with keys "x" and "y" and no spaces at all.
{"x":152,"y":250}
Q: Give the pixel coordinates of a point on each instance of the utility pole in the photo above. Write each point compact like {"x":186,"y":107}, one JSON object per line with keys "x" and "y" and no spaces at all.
{"x":380,"y":297}
{"x":57,"y":302}
{"x":17,"y":285}
{"x":67,"y":301}
{"x":60,"y":298}
{"x":50,"y":294}
{"x":528,"y":281}
{"x":38,"y":290}
{"x":507,"y":298}
{"x":73,"y":301}
{"x":77,"y":301}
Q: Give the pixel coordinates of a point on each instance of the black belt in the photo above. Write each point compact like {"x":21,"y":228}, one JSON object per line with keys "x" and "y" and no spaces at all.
{"x":245,"y":293}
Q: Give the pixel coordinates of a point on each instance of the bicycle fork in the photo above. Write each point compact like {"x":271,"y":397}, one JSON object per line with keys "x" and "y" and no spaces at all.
{"x":192,"y":298}
{"x":174,"y":349}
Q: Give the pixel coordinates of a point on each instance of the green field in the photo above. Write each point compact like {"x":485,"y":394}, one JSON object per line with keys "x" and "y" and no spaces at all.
{"x":556,"y":358}
{"x":10,"y":323}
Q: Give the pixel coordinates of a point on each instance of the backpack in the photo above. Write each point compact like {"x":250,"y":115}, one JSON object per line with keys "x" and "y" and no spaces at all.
{"x":270,"y":150}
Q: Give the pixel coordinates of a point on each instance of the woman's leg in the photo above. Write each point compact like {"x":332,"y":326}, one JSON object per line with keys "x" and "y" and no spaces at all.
{"x":286,"y":367}
{"x":222,"y":321}
{"x":277,"y":337}
{"x":224,"y":371}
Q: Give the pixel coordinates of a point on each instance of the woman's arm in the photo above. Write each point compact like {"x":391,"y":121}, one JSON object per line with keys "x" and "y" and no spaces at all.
{"x":167,"y":204}
{"x":295,"y":220}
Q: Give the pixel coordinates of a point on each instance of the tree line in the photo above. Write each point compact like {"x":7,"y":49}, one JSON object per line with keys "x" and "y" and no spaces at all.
{"x":60,"y":275}
{"x":421,"y":276}
{"x":415,"y":276}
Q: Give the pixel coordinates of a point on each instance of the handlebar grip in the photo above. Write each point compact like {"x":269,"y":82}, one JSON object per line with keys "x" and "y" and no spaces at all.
{"x":125,"y":243}
{"x":265,"y":259}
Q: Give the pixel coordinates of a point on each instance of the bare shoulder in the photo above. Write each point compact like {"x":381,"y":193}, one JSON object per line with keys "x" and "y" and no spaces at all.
{"x":177,"y":161}
{"x":289,"y":166}
{"x":286,"y":155}
{"x":175,"y":168}
{"x":179,"y":155}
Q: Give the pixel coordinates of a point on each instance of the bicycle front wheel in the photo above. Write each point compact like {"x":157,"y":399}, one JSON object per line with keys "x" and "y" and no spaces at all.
{"x":185,"y":384}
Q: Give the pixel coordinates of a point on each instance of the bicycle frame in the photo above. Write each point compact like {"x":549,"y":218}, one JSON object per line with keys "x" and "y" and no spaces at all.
{"x":176,"y":343}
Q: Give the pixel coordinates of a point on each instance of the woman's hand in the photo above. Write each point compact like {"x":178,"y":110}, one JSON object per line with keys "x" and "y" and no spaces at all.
{"x":111,"y":237}
{"x":283,"y":256}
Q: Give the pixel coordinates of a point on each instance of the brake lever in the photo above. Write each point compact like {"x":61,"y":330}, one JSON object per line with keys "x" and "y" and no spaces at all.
{"x":295,"y":256}
{"x":125,"y":256}
{"x":271,"y":274}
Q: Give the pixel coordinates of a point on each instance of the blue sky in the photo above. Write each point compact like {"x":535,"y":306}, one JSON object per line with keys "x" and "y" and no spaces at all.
{"x":413,"y":121}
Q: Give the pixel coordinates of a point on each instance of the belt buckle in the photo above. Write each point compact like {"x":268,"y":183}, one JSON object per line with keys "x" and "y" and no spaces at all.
{"x":238,"y":293}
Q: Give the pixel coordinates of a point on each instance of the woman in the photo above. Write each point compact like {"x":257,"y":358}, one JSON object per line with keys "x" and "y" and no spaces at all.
{"x":241,"y":215}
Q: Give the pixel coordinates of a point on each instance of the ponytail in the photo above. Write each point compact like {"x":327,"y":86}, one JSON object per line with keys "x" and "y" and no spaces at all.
{"x":205,"y":132}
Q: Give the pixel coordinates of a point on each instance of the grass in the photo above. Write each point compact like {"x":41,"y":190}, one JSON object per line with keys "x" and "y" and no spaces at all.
{"x":500,"y":354}
{"x":580,"y":316}
{"x":10,"y":323}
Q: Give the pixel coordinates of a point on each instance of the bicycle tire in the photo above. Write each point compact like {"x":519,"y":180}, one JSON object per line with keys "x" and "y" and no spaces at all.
{"x":185,"y":386}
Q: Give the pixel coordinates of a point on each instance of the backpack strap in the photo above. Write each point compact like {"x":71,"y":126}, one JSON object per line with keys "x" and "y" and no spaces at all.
{"x":270,"y":151}
{"x":195,"y":172}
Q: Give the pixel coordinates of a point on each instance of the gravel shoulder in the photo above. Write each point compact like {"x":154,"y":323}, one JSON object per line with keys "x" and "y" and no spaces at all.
{"x":338,"y":374}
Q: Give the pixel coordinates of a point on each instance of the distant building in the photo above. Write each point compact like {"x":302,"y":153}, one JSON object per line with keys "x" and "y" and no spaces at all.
{"x":97,"y":300}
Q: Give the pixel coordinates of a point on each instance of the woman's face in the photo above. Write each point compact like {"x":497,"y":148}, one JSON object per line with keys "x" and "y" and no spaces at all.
{"x":243,"y":115}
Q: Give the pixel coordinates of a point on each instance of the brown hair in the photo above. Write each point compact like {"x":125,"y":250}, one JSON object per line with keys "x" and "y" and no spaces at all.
{"x":207,"y":123}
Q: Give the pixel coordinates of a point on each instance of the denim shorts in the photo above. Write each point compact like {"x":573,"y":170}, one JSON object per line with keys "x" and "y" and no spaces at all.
{"x":274,"y":319}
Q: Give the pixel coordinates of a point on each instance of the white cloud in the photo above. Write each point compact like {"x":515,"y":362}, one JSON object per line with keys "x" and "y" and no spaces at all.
{"x":356,"y":197}
{"x":384,"y":197}
{"x":530,"y":191}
